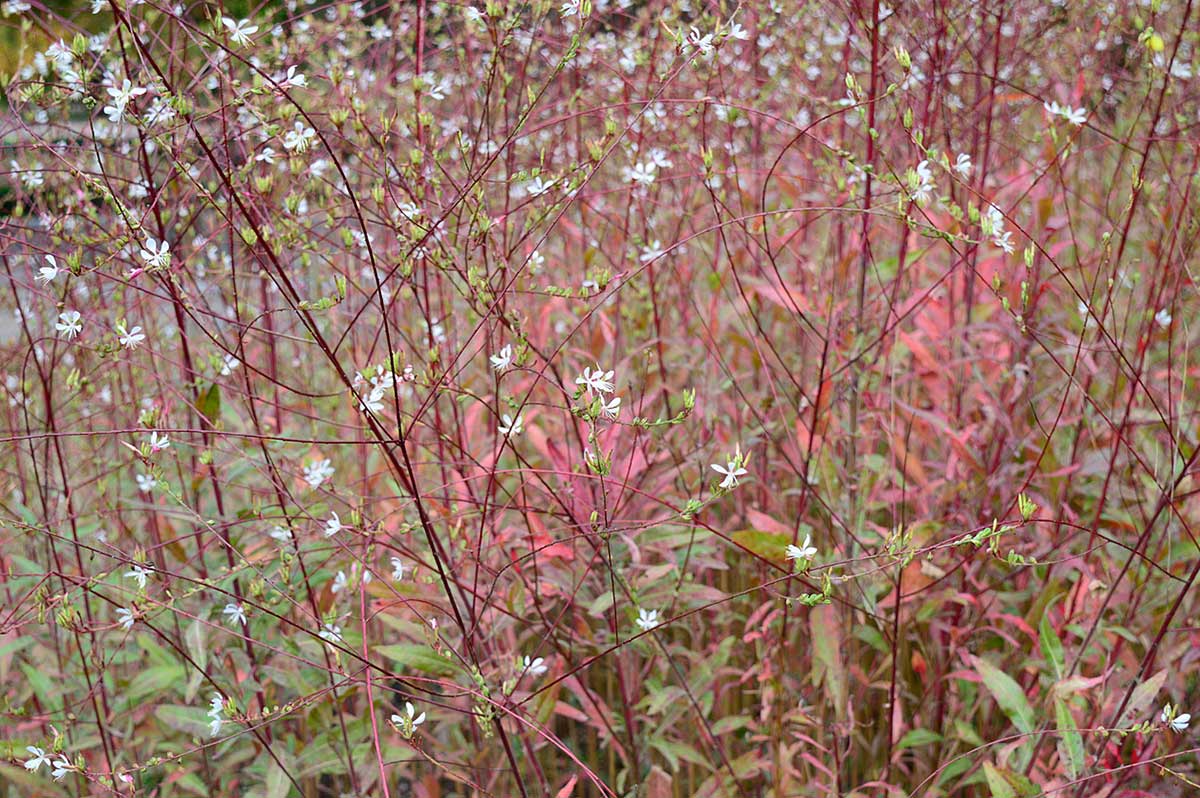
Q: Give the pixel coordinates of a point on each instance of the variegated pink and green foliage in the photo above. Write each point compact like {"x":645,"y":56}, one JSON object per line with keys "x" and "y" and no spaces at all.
{"x":599,"y":398}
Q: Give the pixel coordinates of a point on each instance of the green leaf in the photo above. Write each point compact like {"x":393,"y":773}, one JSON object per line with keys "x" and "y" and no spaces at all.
{"x":673,"y":752}
{"x":155,"y":680}
{"x":828,"y":668}
{"x":7,"y":652}
{"x":1070,"y":742}
{"x":997,"y":783}
{"x":1008,"y":695}
{"x":189,"y":720}
{"x":15,"y":645}
{"x":1006,"y":784}
{"x":197,"y":648}
{"x":603,"y":601}
{"x":1051,"y":645}
{"x":967,"y":733}
{"x":195,"y":638}
{"x":660,"y":699}
{"x":34,"y":784}
{"x":277,"y":783}
{"x":318,"y":757}
{"x":731,"y":723}
{"x":209,"y":404}
{"x":768,"y":545}
{"x":872,"y":637}
{"x":193,"y":783}
{"x":1142,"y":697}
{"x":418,"y":657}
{"x":955,"y":769}
{"x":43,"y":686}
{"x":918,"y":737}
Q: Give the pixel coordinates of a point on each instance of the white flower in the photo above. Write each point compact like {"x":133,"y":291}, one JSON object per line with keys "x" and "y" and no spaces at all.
{"x":129,"y":338}
{"x":599,"y":380}
{"x":139,"y":574}
{"x":736,"y":31}
{"x":339,"y":582}
{"x":39,"y":758}
{"x":145,"y":482}
{"x":409,"y":721}
{"x":30,"y":179}
{"x":61,"y":55}
{"x":962,"y":164}
{"x":651,"y":252}
{"x":373,"y":402}
{"x":240,"y":31}
{"x":47,"y":273}
{"x":409,"y":211}
{"x":114,"y":112}
{"x":511,"y":426}
{"x":629,"y":58}
{"x":1076,"y":116}
{"x":330,"y":633}
{"x":69,"y":323}
{"x":535,"y":667}
{"x":647,"y":619}
{"x":294,"y":78}
{"x":158,"y":442}
{"x":920,"y":182}
{"x":156,"y":255}
{"x":571,"y":8}
{"x":281,"y":533}
{"x":317,"y":472}
{"x":641,"y":173}
{"x":160,"y":111}
{"x":234,"y":614}
{"x":611,"y":409}
{"x":1177,"y":722}
{"x":731,"y":471}
{"x":805,"y":551}
{"x":299,"y":137}
{"x":333,"y":525}
{"x":228,"y":364}
{"x":994,"y":220}
{"x":503,"y":359}
{"x":538,"y":186}
{"x":62,"y":767}
{"x":120,"y":99}
{"x":125,"y":618}
{"x":1163,"y":318}
{"x":1004,"y":241}
{"x":437,"y":88}
{"x":397,"y":569}
{"x":216,"y":707}
{"x":701,"y":42}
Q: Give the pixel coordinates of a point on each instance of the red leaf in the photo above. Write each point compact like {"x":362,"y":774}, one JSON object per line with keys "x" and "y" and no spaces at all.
{"x":568,"y":787}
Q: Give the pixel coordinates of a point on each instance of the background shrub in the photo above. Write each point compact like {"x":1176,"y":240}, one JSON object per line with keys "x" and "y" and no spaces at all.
{"x":599,"y":398}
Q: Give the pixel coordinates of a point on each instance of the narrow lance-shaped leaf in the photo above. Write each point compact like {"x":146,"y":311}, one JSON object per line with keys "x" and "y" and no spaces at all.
{"x":1008,"y":695}
{"x":1070,"y":742}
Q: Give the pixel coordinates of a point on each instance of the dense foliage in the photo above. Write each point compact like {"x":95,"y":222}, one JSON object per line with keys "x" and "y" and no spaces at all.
{"x":599,"y":398}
